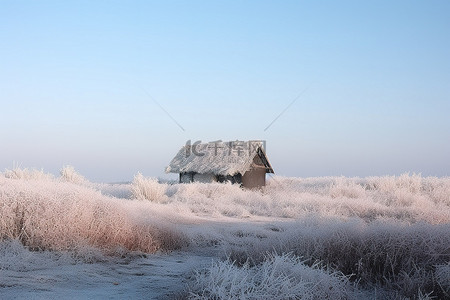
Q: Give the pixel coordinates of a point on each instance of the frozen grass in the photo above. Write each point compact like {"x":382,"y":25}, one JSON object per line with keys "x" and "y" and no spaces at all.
{"x":68,"y":174}
{"x":390,"y":234}
{"x":408,"y":198}
{"x":149,"y":189}
{"x":54,"y":215}
{"x":443,"y":277}
{"x":399,"y":257}
{"x":27,"y":174}
{"x":276,"y":277}
{"x":16,"y":257}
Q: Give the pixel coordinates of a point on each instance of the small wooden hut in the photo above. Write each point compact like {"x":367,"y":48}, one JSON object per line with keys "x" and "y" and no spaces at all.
{"x":241,"y":162}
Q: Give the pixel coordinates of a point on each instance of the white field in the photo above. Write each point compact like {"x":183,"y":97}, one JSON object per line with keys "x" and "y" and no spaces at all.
{"x":298,"y":238}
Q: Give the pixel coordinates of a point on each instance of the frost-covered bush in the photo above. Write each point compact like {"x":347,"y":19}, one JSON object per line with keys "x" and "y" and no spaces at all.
{"x":443,"y":277}
{"x":379,"y":198}
{"x":57,"y":215}
{"x":412,"y":183}
{"x":399,"y":256}
{"x":150,"y":189}
{"x":390,"y":234}
{"x":346,"y":188}
{"x":27,"y":174}
{"x":277,"y":277}
{"x":214,"y":199}
{"x":68,"y":174}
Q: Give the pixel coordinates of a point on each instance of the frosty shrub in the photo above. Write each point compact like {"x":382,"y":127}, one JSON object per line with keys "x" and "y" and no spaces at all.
{"x":389,"y":234}
{"x":26,"y":174}
{"x":55,"y":215}
{"x":68,"y":174}
{"x":412,"y":183}
{"x":150,"y":189}
{"x":380,"y":198}
{"x":346,"y":188}
{"x":277,"y":277}
{"x":396,"y":255}
{"x":212,"y":199}
{"x":408,"y":198}
{"x":443,"y":277}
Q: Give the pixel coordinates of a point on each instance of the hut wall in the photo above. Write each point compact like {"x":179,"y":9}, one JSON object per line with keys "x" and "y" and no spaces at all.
{"x":205,"y":178}
{"x":254,"y":178}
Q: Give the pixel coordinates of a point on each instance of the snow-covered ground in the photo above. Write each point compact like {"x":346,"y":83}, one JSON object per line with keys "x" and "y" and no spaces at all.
{"x":50,"y":275}
{"x":298,"y":238}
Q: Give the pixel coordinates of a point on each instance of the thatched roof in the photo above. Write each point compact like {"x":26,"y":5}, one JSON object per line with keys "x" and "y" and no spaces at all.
{"x":220,"y":158}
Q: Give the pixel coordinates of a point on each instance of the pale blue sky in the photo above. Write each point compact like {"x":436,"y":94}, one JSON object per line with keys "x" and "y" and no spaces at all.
{"x":73,"y":76}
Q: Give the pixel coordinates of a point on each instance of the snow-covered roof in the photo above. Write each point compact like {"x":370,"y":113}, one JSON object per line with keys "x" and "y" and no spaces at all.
{"x":220,"y":158}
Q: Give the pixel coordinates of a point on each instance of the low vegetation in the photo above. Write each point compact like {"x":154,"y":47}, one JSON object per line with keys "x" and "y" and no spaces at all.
{"x":50,"y":214}
{"x":298,"y":238}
